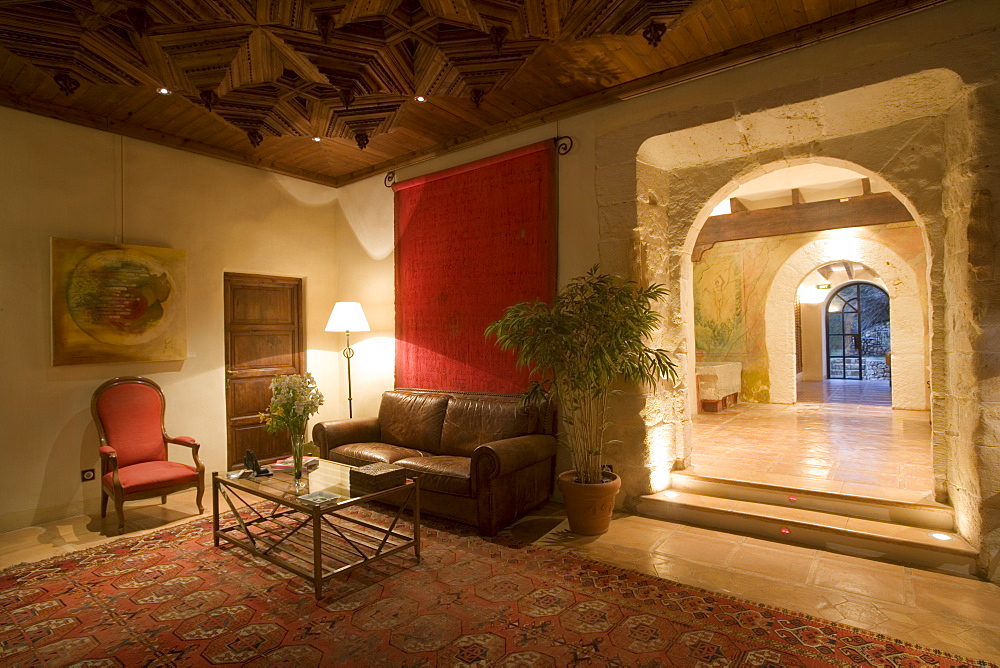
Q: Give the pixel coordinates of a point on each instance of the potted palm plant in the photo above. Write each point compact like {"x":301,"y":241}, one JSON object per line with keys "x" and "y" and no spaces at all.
{"x":592,"y":335}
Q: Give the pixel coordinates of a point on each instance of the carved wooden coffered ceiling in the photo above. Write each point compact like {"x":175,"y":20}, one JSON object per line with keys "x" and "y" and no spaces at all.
{"x":327,"y":89}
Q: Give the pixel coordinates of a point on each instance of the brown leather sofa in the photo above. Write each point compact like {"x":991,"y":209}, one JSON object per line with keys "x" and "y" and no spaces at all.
{"x":483,"y":459}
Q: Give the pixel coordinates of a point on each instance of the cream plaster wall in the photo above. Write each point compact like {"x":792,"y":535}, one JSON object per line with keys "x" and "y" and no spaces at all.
{"x":58,"y":179}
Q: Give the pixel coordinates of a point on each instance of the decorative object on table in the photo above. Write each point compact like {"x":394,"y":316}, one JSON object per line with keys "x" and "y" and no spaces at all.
{"x":128,"y":412}
{"x":348,"y":317}
{"x":117,"y":303}
{"x":251,"y":464}
{"x":592,"y":335}
{"x":569,"y":609}
{"x":318,"y":498}
{"x":294,"y":398}
{"x":287,"y":465}
{"x":376,"y":477}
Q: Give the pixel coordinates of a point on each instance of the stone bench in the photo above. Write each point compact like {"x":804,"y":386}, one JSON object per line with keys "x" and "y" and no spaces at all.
{"x":718,"y":385}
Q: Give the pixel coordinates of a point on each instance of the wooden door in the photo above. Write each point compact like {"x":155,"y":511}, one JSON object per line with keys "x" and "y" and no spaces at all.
{"x":264,"y":338}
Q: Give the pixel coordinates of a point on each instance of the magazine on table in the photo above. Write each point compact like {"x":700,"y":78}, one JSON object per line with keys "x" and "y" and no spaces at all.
{"x":287,"y":464}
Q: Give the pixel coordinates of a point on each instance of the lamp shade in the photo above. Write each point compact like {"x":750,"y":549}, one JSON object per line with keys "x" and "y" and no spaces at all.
{"x":347,"y":317}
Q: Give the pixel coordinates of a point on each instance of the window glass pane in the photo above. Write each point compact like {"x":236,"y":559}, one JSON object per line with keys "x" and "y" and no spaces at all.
{"x":835,"y":324}
{"x":836,"y":345}
{"x":850,"y":323}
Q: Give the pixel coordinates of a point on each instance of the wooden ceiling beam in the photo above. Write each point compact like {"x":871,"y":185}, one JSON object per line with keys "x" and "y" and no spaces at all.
{"x":864,"y":210}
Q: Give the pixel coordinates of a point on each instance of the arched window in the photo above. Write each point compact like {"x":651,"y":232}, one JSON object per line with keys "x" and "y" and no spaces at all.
{"x":857,"y":329}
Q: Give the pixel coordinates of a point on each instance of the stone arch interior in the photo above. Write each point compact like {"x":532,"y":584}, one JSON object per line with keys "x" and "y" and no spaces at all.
{"x":766,"y":265}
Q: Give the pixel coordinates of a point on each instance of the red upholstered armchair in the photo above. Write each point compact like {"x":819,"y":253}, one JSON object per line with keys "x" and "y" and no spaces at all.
{"x":128,"y":412}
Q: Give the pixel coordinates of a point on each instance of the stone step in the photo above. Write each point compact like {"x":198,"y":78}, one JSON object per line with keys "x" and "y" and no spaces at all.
{"x":943,"y":551}
{"x":922,"y":513}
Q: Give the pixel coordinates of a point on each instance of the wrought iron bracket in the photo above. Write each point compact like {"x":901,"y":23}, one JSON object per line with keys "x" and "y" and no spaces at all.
{"x":390,"y":179}
{"x":564,"y":144}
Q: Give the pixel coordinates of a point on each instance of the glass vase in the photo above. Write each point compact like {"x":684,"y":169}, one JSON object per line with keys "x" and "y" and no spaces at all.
{"x":298,"y":446}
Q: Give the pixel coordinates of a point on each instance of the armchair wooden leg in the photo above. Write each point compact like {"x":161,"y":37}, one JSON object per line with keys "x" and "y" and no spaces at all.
{"x":104,"y":502}
{"x":201,"y":493}
{"x":120,"y":509}
{"x":163,"y":499}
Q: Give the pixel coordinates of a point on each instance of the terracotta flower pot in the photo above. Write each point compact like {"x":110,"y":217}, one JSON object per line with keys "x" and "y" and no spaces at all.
{"x":588,"y":507}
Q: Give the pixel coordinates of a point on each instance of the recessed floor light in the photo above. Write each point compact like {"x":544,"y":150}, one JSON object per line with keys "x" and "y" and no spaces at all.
{"x":419,"y":98}
{"x":941,"y":536}
{"x":163,"y":91}
{"x":317,"y":139}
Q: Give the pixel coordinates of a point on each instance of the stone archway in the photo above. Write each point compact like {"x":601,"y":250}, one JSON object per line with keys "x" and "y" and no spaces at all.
{"x":660,"y":179}
{"x":907,"y":320}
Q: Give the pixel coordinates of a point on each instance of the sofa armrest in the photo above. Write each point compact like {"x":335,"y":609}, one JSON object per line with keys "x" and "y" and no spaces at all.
{"x":334,"y":433}
{"x":498,"y":458}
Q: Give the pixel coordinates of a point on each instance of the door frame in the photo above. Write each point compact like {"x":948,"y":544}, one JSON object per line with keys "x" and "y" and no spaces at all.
{"x":299,"y":357}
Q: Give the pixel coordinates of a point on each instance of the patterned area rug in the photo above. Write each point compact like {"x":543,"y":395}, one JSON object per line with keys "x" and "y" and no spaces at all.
{"x":171,"y":598}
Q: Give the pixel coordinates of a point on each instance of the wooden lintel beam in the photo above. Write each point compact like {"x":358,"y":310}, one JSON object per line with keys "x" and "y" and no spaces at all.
{"x":796,"y":196}
{"x":874,"y":209}
{"x":736,"y":205}
{"x":849,"y":269}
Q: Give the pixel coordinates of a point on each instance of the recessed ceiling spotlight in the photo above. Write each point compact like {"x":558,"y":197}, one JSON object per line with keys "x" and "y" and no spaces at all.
{"x":941,"y":536}
{"x":317,"y":139}
{"x":163,"y":91}
{"x":419,"y":98}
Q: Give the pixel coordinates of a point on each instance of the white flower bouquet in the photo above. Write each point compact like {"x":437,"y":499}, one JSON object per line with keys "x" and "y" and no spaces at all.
{"x":294,"y":398}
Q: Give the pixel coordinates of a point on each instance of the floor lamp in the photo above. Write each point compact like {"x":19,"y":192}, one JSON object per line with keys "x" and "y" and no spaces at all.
{"x":348,"y":317}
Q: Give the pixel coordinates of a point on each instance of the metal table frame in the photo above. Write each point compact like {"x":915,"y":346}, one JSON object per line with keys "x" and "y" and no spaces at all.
{"x":336,"y":545}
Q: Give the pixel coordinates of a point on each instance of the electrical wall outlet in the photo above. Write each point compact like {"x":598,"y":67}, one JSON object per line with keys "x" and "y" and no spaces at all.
{"x":87,"y":475}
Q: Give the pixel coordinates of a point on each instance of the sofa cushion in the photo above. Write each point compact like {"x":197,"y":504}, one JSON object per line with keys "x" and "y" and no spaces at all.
{"x":470,"y":422}
{"x":359,"y":454}
{"x":451,"y":475}
{"x":412,"y":420}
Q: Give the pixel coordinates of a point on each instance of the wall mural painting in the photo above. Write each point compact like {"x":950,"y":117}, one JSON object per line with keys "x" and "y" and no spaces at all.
{"x":731,"y":284}
{"x":117,"y":303}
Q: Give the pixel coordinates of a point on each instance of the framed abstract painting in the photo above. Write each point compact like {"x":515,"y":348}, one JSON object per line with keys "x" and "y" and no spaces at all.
{"x":117,"y":303}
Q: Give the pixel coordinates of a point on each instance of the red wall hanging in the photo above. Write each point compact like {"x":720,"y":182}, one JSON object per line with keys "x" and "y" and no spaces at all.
{"x":471,"y":241}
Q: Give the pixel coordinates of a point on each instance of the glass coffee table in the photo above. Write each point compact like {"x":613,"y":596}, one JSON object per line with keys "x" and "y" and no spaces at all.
{"x":307,"y":531}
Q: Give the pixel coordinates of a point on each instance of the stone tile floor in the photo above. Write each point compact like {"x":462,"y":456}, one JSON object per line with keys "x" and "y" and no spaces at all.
{"x":943,"y":612}
{"x":826,"y":441}
{"x":948,"y":613}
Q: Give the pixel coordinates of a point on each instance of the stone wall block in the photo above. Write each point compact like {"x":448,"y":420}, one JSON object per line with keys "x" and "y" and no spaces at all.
{"x":797,"y":93}
{"x":615,"y":185}
{"x":616,"y":221}
{"x":887,"y":103}
{"x":616,"y":256}
{"x":988,"y":373}
{"x":781,"y":126}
